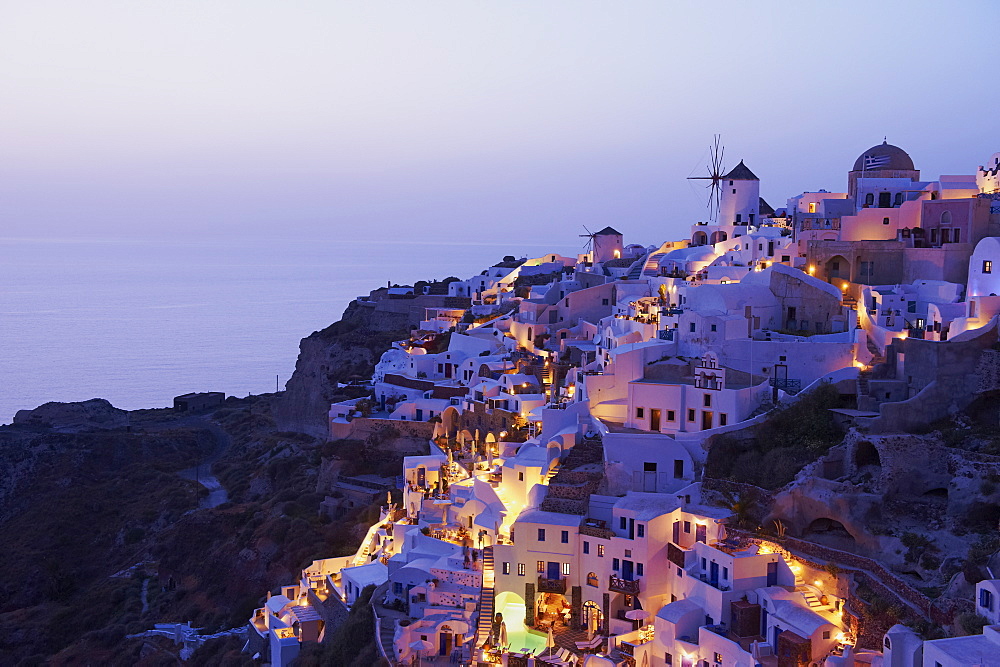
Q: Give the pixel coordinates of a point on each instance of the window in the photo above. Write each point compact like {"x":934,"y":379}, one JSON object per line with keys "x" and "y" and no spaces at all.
{"x":638,"y":569}
{"x":986,"y":599}
{"x":668,"y":658}
{"x":680,"y":573}
{"x":506,"y":568}
{"x":600,"y":551}
{"x":690,"y":414}
{"x":604,"y":302}
{"x":885,"y":221}
{"x":707,"y":400}
{"x":725,"y":573}
{"x":670,"y":415}
{"x":638,"y":413}
{"x":869,"y":199}
{"x":786,"y":258}
{"x":704,"y":564}
{"x":520,"y":569}
{"x":615,"y":563}
{"x":520,"y":476}
{"x":564,"y":538}
{"x":592,"y":579}
{"x":628,"y":553}
{"x":687,"y":526}
{"x":640,"y":530}
{"x":899,"y":199}
{"x":623,"y":523}
{"x":826,"y":634}
{"x":715,"y":328}
{"x":718,"y":657}
{"x":541,"y":534}
{"x":541,"y":566}
{"x":723,"y":418}
{"x":648,"y":466}
{"x":565,"y":569}
{"x":692,"y":327}
{"x":678,"y":468}
{"x":586,"y":547}
{"x":812,"y":207}
{"x":955,"y":233}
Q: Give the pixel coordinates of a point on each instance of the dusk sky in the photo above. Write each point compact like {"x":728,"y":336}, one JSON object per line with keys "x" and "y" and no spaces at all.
{"x":414,"y":119}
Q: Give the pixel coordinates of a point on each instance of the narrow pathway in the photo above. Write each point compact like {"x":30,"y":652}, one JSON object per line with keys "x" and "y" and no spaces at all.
{"x":202,"y":473}
{"x":145,"y":595}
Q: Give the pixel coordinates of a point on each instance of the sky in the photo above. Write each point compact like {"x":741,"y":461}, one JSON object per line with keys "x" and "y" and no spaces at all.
{"x":442,"y":120}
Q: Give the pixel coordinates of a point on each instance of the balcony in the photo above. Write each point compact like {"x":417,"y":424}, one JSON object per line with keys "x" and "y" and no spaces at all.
{"x":551,"y":585}
{"x":619,"y":585}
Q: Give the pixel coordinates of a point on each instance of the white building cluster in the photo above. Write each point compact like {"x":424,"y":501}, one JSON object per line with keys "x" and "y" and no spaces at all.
{"x":559,"y":516}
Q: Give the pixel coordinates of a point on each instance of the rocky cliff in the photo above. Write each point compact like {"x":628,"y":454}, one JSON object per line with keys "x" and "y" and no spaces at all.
{"x":347,"y":348}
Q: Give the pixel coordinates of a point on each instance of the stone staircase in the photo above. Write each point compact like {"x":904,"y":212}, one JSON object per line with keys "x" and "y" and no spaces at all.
{"x":807,"y":593}
{"x":486,"y":599}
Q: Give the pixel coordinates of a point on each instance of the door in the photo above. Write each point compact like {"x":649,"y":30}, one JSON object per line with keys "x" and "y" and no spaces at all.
{"x":553,"y":571}
{"x":654,"y":420}
{"x":713,"y":574}
{"x":706,"y":420}
{"x":420,"y":415}
{"x":885,"y":200}
{"x":649,"y":481}
{"x":627,"y":570}
{"x":445,"y":643}
{"x":421,"y":477}
{"x":701,"y":533}
{"x":677,"y":532}
{"x":772,"y":574}
{"x":770,"y":248}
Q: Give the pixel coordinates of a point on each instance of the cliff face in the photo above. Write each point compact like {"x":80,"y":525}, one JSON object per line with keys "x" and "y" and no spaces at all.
{"x":346,"y":348}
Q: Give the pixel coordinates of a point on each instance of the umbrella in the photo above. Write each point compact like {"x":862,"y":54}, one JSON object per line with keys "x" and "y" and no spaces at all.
{"x":645,"y":659}
{"x":550,"y":641}
{"x":503,"y":633}
{"x":421,"y":645}
{"x":636,"y":614}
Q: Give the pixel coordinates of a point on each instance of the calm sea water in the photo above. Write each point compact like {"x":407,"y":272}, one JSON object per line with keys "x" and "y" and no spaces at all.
{"x":138,"y":322}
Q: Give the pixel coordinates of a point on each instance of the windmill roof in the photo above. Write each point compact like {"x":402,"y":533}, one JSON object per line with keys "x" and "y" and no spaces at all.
{"x":607,"y":231}
{"x":764,"y":207}
{"x":740,"y":173}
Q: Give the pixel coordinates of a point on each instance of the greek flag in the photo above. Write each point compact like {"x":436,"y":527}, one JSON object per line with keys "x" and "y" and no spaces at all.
{"x":876,"y":161}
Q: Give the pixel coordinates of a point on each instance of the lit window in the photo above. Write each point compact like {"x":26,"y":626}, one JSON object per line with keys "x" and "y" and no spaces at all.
{"x":592,"y":579}
{"x":565,"y":569}
{"x":520,"y":569}
{"x":987,"y":266}
{"x":541,"y":566}
{"x":506,"y":568}
{"x":600,"y":551}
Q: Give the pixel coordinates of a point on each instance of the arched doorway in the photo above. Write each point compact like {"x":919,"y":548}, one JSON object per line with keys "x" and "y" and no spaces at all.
{"x":837,"y":267}
{"x":865,"y":454}
{"x":719,"y":237}
{"x":593,"y":617}
{"x":699,"y":238}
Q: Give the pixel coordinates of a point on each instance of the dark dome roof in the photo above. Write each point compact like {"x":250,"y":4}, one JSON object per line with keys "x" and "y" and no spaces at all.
{"x":884,"y":156}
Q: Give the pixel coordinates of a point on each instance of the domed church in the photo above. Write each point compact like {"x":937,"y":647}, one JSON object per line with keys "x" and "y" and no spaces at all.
{"x":881,"y":161}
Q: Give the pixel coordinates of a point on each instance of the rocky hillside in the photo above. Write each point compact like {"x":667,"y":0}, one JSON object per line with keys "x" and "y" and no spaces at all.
{"x":348,"y":348}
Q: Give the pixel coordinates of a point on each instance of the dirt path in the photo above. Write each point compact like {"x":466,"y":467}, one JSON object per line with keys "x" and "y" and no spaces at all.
{"x":202,"y":473}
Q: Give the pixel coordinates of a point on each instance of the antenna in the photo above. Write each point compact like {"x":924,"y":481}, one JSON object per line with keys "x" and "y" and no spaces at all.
{"x":716,"y":170}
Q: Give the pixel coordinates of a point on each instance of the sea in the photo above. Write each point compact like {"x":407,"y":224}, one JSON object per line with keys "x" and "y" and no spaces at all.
{"x":139,"y":321}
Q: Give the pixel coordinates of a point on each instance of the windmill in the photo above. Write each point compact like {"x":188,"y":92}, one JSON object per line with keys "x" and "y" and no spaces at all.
{"x":589,"y":243}
{"x":715,"y":174}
